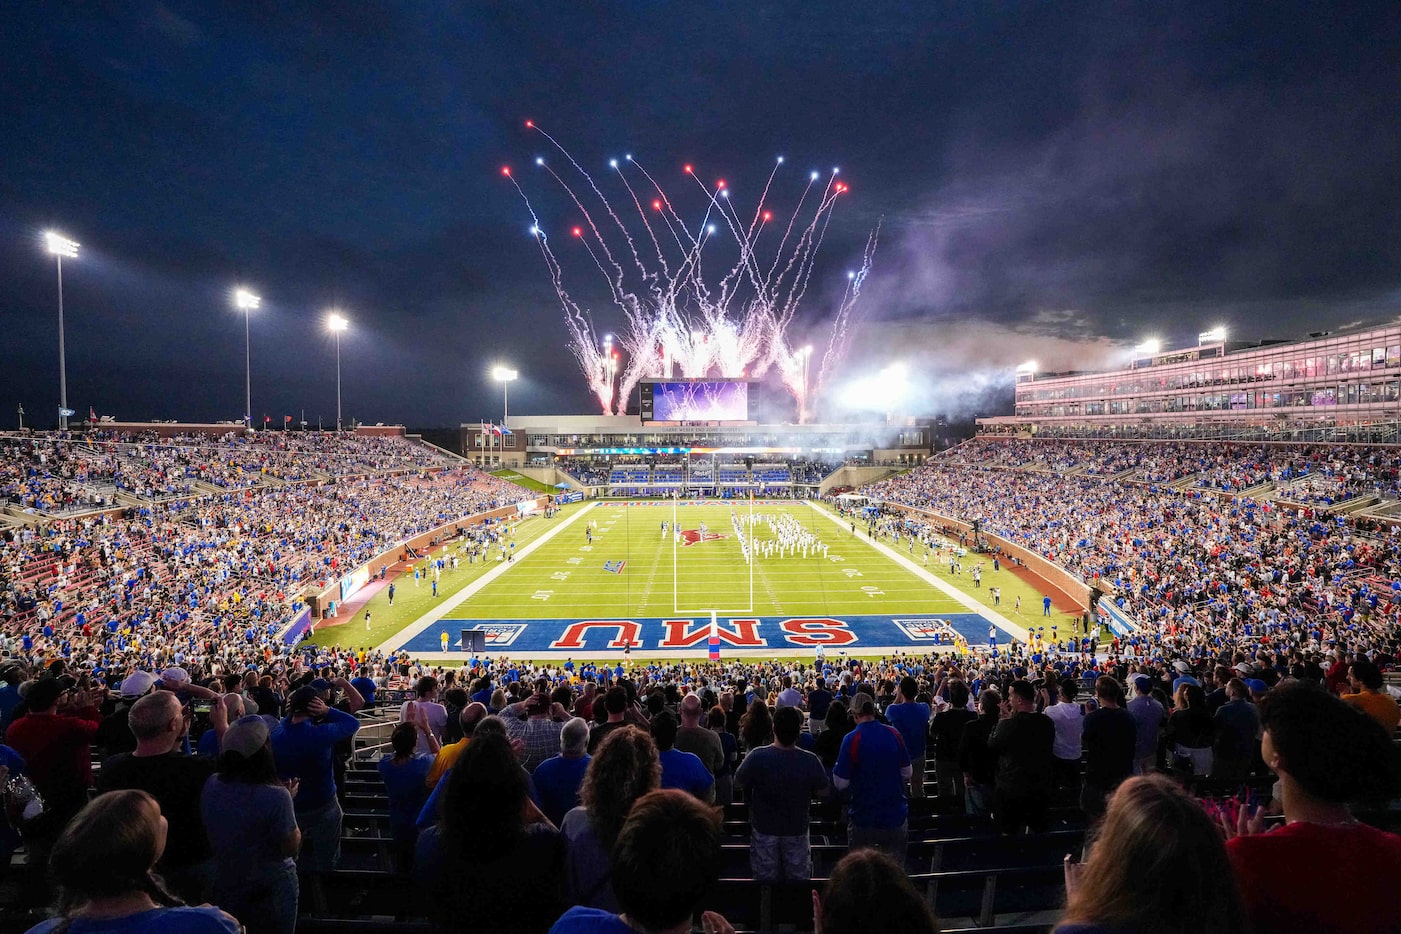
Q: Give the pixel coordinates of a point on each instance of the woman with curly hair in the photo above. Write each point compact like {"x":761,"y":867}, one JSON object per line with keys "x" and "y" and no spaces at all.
{"x":103,"y":864}
{"x":624,"y":768}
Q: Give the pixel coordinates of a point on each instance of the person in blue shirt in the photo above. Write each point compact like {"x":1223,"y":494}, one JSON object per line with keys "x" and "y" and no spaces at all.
{"x":405,"y":776}
{"x":304,"y":746}
{"x":559,"y":778}
{"x":683,"y":770}
{"x":874,"y":766}
{"x":911,"y":719}
{"x":367,"y":687}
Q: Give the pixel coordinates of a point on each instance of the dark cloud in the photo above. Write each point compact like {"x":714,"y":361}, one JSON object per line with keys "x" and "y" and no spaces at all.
{"x":1055,"y":180}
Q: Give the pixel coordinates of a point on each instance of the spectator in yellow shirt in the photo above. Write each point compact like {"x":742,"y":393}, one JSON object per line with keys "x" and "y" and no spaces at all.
{"x":1371,"y":697}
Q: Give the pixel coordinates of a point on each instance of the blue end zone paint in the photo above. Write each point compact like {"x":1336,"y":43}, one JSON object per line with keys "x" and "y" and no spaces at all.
{"x":525,"y":637}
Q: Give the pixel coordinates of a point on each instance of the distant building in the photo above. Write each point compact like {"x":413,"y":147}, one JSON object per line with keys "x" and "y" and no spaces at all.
{"x":1347,"y":381}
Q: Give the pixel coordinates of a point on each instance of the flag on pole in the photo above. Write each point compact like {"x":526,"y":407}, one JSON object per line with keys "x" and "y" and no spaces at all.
{"x":92,"y":414}
{"x":286,"y":419}
{"x":267,"y":419}
{"x":496,"y":430}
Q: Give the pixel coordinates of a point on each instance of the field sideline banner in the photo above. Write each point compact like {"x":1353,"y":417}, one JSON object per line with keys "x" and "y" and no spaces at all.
{"x":1115,"y":619}
{"x":783,"y":634}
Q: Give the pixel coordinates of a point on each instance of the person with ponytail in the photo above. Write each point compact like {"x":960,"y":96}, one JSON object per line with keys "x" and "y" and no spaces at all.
{"x":103,"y":864}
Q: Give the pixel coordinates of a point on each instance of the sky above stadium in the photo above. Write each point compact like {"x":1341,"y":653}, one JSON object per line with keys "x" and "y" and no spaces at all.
{"x":1053,"y":181}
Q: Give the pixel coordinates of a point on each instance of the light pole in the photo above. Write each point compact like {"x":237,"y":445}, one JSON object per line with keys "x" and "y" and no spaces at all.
{"x":60,"y":246}
{"x":504,"y":375}
{"x":246,"y":301}
{"x":337,"y":324}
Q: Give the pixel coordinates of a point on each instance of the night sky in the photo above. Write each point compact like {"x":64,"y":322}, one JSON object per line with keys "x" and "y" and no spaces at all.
{"x":1053,"y":181}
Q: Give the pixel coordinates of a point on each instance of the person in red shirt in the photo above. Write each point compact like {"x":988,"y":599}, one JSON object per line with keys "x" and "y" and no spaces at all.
{"x":1323,"y":871}
{"x":55,"y":739}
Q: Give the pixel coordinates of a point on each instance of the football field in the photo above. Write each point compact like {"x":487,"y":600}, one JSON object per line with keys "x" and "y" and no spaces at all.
{"x":603,"y":577}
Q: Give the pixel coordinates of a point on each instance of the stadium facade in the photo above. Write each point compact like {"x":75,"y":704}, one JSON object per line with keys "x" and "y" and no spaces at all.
{"x":1345,"y":383}
{"x":538,"y":440}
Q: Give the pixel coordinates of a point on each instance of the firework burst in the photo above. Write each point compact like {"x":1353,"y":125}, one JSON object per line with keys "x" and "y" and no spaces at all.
{"x":677,"y":322}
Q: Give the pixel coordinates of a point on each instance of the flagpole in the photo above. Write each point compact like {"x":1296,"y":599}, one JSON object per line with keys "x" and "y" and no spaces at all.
{"x":752,"y":555}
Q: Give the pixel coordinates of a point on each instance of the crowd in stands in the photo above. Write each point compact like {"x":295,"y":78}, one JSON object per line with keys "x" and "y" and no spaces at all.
{"x":218,"y":574}
{"x":1198,"y":572}
{"x":578,"y":797}
{"x":1231,"y":756}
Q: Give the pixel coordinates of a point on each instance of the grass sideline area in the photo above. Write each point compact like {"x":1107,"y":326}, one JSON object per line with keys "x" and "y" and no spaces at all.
{"x":518,"y":480}
{"x":566,"y":578}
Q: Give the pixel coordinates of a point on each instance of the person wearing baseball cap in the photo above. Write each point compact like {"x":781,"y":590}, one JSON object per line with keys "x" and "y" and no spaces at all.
{"x":875,"y":766}
{"x":1148,"y":717}
{"x":252,"y":829}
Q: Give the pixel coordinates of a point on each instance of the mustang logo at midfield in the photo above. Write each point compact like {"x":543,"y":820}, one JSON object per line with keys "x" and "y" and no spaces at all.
{"x":692,"y":536}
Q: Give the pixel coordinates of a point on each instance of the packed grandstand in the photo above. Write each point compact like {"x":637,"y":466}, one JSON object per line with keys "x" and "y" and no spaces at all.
{"x":148,"y":583}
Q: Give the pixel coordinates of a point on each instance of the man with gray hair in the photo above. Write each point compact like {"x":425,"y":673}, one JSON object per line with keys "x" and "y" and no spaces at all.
{"x":558,"y":778}
{"x":159,"y":768}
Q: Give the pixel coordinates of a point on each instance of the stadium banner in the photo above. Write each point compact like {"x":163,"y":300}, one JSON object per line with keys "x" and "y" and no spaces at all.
{"x":782,"y":634}
{"x":574,"y":496}
{"x":354,"y":581}
{"x":292,"y":633}
{"x":1114,"y":618}
{"x":527,"y":506}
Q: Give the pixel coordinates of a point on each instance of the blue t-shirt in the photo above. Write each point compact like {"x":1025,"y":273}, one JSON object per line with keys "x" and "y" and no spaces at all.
{"x":366,"y":687}
{"x":406,"y":785}
{"x":912,"y":720}
{"x":557,"y":781}
{"x":155,"y":921}
{"x":304,"y":750}
{"x":686,"y":771}
{"x":871,"y":759}
{"x":579,"y":920}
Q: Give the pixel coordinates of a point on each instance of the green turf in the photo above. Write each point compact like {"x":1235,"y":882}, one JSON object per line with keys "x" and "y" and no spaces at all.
{"x":565,"y":577}
{"x":526,"y":482}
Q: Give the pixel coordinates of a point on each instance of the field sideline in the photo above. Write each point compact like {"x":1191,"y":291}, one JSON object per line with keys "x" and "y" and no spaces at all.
{"x":631,"y":571}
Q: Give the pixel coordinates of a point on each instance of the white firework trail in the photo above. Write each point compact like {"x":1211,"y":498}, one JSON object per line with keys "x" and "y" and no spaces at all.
{"x":676,"y":322}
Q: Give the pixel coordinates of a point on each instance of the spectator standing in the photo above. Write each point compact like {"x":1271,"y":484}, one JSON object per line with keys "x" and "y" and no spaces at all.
{"x":1323,"y":871}
{"x":946,"y":731}
{"x":725,"y":778}
{"x":55,"y":738}
{"x":789,"y":696}
{"x":114,"y":735}
{"x":1109,"y":735}
{"x":819,"y":699}
{"x":875,"y":767}
{"x":615,"y":704}
{"x":537,"y":724}
{"x":252,"y":831}
{"x":1023,"y":741}
{"x":1369,"y":695}
{"x":104,"y":865}
{"x":976,"y":761}
{"x":1069,"y":719}
{"x":666,"y":860}
{"x":1191,"y":730}
{"x":835,"y":727}
{"x":303,"y":746}
{"x":404,"y":772}
{"x":779,"y":782}
{"x":491,"y":856}
{"x":425,"y":696}
{"x":624,"y":768}
{"x":176,"y":780}
{"x":559,"y":778}
{"x":694,"y":738}
{"x":680,"y":769}
{"x":1148,"y":717}
{"x":1237,"y":724}
{"x":911,"y":719}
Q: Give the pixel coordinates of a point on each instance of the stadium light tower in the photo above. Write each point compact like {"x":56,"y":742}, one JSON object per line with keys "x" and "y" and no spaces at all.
{"x":504,"y":375}
{"x":336,"y":323}
{"x":1216,"y":335}
{"x":246,"y":301}
{"x":60,"y":246}
{"x":1149,"y":347}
